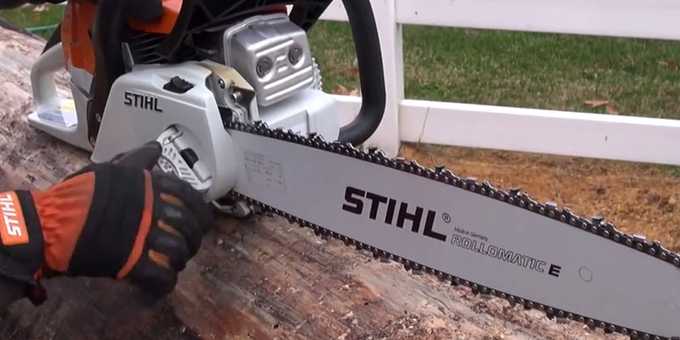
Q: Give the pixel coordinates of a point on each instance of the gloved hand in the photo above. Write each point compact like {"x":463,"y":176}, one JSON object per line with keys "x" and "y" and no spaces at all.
{"x":113,"y":219}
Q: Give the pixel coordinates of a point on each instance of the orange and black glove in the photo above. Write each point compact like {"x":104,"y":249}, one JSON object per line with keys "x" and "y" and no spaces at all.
{"x":113,"y":219}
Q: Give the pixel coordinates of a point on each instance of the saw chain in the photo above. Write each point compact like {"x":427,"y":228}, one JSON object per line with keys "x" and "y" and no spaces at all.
{"x":515,"y":197}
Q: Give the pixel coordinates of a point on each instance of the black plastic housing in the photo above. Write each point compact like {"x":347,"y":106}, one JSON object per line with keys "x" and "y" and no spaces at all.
{"x":371,"y":73}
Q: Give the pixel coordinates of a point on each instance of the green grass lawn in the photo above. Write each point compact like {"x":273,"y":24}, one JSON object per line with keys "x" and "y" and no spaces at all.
{"x":521,"y":69}
{"x":38,"y":19}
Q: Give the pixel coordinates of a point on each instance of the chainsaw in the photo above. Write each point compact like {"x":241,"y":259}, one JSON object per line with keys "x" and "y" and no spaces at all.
{"x":232,"y":92}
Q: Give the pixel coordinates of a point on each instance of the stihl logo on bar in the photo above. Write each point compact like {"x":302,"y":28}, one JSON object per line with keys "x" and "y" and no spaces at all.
{"x":12,"y":224}
{"x":395,"y":212}
{"x":141,"y":101}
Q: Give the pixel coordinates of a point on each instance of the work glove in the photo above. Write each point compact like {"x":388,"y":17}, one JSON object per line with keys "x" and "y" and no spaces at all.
{"x":114,"y":219}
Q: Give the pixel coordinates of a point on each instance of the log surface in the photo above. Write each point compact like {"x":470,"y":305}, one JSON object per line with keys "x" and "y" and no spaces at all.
{"x":256,"y":279}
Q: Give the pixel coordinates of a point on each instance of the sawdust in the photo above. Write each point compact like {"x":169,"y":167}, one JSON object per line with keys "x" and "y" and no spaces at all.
{"x":436,"y":310}
{"x":638,"y":198}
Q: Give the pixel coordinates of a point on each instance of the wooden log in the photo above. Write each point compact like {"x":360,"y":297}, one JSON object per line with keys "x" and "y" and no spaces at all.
{"x":255,"y":279}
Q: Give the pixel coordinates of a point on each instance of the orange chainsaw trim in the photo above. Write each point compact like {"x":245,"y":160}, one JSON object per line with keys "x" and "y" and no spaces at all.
{"x":165,"y":23}
{"x":79,"y":17}
{"x":75,"y":34}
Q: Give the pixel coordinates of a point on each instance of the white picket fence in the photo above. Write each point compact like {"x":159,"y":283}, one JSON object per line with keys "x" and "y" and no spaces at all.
{"x":520,"y":129}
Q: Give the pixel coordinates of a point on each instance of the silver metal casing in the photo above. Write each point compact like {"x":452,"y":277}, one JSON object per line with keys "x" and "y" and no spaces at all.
{"x":269,"y":40}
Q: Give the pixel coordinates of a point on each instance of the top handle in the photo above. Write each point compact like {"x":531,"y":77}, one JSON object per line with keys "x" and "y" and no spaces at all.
{"x":369,"y":57}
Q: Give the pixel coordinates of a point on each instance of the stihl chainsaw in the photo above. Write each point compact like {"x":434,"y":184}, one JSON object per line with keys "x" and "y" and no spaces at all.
{"x":231,"y":90}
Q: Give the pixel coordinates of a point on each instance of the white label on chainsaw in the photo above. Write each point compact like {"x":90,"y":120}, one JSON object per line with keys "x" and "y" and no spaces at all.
{"x":265,"y":172}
